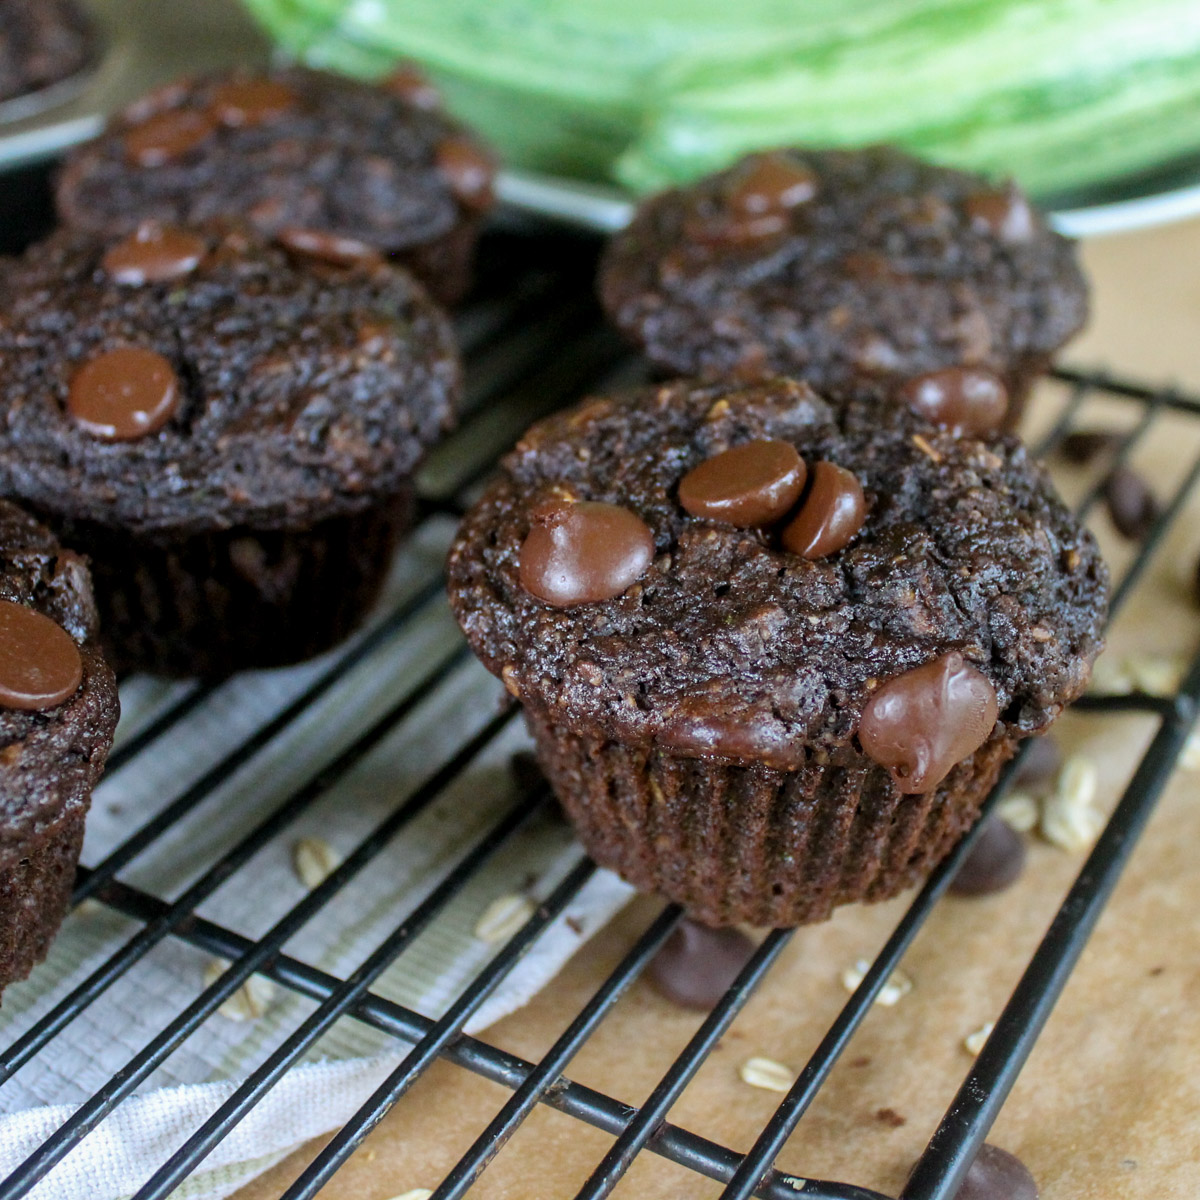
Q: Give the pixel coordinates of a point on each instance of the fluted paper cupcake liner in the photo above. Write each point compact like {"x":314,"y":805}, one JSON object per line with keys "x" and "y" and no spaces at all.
{"x":752,"y":844}
{"x":215,"y":603}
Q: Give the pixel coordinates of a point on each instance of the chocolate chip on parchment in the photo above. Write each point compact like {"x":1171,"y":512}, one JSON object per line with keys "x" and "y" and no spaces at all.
{"x":1132,"y":506}
{"x":697,"y":965}
{"x":994,"y":862}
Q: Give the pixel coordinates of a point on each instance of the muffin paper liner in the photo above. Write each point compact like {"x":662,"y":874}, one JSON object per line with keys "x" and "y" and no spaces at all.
{"x":35,"y":893}
{"x":736,"y":844}
{"x":216,"y":603}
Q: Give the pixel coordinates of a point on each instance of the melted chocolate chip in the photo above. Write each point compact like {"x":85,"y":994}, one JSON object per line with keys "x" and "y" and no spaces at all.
{"x":251,"y":101}
{"x":832,"y":513}
{"x":1040,"y":762}
{"x":920,"y":724}
{"x":696,"y":965}
{"x":409,"y":84}
{"x":754,"y":484}
{"x":1004,"y":212}
{"x":327,"y":247}
{"x":468,"y":171}
{"x":993,"y":863}
{"x":1132,"y":506}
{"x":1084,"y":445}
{"x":39,"y":662}
{"x":584,"y":552}
{"x":154,"y":254}
{"x":123,"y":394}
{"x":961,"y":399}
{"x":757,"y":203}
{"x":771,"y":184}
{"x":997,"y":1175}
{"x":167,"y":136}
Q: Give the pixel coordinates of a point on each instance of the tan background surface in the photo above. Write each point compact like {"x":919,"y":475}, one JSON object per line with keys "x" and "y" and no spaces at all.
{"x":1109,"y":1105}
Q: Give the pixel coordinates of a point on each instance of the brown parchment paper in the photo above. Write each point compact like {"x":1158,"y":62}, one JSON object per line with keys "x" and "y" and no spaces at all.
{"x":1108,"y":1107}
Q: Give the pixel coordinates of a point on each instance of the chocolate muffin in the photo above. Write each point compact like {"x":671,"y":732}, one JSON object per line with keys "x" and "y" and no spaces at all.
{"x":854,"y":270}
{"x":41,"y":42}
{"x":773,"y":653}
{"x":228,"y":433}
{"x":335,"y":166}
{"x":58,"y":711}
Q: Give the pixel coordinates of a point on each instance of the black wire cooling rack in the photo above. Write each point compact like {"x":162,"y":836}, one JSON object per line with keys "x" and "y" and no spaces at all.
{"x":534,"y":342}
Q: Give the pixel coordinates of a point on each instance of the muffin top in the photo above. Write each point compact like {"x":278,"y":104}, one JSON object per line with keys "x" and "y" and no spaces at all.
{"x":753,"y":619}
{"x":58,"y":699}
{"x":293,"y":149}
{"x":191,"y":381}
{"x":842,"y":268}
{"x":41,"y":42}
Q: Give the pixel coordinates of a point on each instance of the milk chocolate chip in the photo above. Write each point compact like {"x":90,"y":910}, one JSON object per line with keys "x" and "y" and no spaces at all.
{"x":468,"y":171}
{"x":327,"y":247}
{"x":579,"y":553}
{"x":167,"y":136}
{"x":409,"y":84}
{"x":1132,"y":506}
{"x":696,"y":965}
{"x":154,"y":254}
{"x":832,"y":513}
{"x":994,"y":862}
{"x":123,"y":394}
{"x":920,"y":724}
{"x":754,"y":484}
{"x":962,"y":399}
{"x":39,"y":662}
{"x":251,"y":101}
{"x":1004,"y":212}
{"x":771,"y":185}
{"x":997,"y":1175}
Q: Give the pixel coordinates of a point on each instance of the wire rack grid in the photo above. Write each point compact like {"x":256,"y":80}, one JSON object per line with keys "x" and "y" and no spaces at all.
{"x":534,"y":342}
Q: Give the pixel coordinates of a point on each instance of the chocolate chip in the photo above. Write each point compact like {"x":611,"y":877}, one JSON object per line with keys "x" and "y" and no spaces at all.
{"x":757,"y":200}
{"x":123,"y":394}
{"x":1084,"y":445}
{"x":468,"y":171}
{"x":696,"y":965}
{"x":962,"y":399}
{"x":1132,"y":506}
{"x":584,"y":552}
{"x":167,"y":136}
{"x":39,"y":662}
{"x":754,"y":484}
{"x":154,"y":254}
{"x":1004,"y":212}
{"x":831,"y":514}
{"x":1040,"y":762}
{"x":997,"y":1175}
{"x":243,"y":102}
{"x":409,"y":84}
{"x":920,"y":724}
{"x":327,"y":247}
{"x":994,"y":862}
{"x":770,"y":185}
{"x":526,"y":771}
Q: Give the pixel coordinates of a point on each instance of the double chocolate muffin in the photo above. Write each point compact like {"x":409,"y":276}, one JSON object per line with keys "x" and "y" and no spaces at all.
{"x":774,"y":652}
{"x":58,"y":711}
{"x":856,"y":270}
{"x":335,"y":166}
{"x":228,"y":431}
{"x":41,"y":42}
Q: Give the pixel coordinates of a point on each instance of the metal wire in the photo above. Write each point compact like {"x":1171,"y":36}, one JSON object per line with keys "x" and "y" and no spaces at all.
{"x":534,"y":343}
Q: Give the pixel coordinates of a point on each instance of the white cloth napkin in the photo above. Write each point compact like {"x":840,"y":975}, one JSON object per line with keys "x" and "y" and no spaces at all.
{"x":347,"y":1064}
